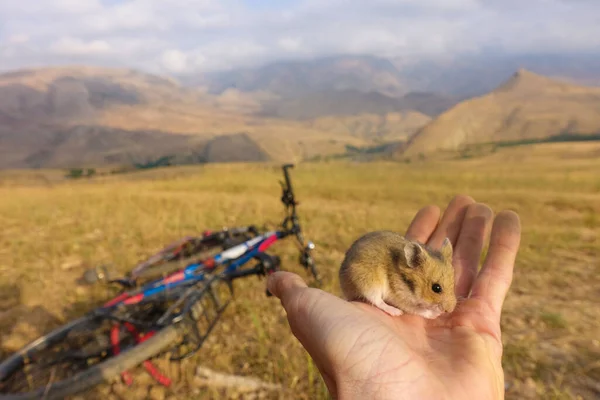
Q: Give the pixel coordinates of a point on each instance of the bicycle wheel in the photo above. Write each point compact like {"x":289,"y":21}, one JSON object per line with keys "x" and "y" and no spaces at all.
{"x":79,"y":355}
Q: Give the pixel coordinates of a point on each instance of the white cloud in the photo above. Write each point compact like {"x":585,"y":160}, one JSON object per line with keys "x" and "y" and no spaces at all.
{"x":183,"y":35}
{"x":129,"y":16}
{"x":175,"y":61}
{"x":47,"y":8}
{"x":77,"y":6}
{"x":200,"y":20}
{"x":18,"y":38}
{"x":227,"y":53}
{"x":291,"y":44}
{"x":74,"y":46}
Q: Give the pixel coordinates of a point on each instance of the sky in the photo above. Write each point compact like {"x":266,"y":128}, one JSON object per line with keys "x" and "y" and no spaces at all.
{"x":188,"y":36}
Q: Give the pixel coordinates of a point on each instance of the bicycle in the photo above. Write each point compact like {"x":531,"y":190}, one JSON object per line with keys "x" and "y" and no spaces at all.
{"x":152,"y":316}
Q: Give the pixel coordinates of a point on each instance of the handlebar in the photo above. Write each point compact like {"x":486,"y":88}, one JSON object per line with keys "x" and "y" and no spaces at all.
{"x":291,"y":223}
{"x":287,"y":197}
{"x":288,"y":181}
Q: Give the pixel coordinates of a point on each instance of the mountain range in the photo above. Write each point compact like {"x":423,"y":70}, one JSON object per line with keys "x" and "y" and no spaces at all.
{"x":71,"y":116}
{"x":456,"y":77}
{"x":526,"y":107}
{"x":293,"y":78}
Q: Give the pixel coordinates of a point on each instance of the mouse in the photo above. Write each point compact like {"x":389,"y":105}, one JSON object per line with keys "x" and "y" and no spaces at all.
{"x":398,"y":275}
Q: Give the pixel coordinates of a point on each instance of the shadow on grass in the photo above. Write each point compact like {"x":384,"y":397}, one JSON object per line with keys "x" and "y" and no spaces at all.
{"x":20,"y":324}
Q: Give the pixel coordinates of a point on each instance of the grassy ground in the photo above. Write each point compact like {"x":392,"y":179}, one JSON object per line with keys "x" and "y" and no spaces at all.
{"x":51,"y":231}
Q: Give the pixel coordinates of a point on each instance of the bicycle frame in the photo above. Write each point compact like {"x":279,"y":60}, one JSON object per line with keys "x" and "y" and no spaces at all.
{"x":233,"y":258}
{"x":230,"y":260}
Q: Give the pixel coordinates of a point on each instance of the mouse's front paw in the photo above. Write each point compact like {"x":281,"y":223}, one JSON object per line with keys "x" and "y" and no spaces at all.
{"x":393,"y":311}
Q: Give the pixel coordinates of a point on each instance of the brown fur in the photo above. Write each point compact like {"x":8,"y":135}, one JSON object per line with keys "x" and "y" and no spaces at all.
{"x":406,"y":269}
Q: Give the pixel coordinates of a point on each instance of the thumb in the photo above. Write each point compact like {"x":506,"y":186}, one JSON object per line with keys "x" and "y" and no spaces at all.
{"x":295,"y":296}
{"x":282,"y":284}
{"x":307,"y":315}
{"x":312,"y":313}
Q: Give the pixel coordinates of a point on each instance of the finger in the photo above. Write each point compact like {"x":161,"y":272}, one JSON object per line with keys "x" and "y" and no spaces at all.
{"x":310,"y":313}
{"x":298,"y":300}
{"x":469,"y":246}
{"x":450,"y":225}
{"x":495,"y":276}
{"x":282,"y":284}
{"x":423,"y":224}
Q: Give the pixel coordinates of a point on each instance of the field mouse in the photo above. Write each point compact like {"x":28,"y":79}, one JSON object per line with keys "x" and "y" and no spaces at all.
{"x":398,"y":275}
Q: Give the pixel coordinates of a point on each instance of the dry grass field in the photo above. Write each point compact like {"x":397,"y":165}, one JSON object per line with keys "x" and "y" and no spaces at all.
{"x":52,"y":230}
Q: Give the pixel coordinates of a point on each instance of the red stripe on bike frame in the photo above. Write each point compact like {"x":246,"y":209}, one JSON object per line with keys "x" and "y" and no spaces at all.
{"x":152,"y":370}
{"x":179,"y":248}
{"x":264,"y":245}
{"x":179,"y":276}
{"x":210,"y":263}
{"x":155,"y":373}
{"x":139,"y":338}
{"x":114,"y":339}
{"x":117,"y":299}
{"x":135,"y":299}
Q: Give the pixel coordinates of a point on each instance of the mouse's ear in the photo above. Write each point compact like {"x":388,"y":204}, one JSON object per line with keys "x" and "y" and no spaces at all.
{"x":447,"y":250}
{"x":414,"y":254}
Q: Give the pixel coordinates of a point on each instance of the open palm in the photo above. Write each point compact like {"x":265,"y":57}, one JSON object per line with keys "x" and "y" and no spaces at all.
{"x":364,"y":353}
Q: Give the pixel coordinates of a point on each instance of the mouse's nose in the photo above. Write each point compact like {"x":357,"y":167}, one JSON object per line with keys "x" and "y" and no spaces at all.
{"x":449,"y":305}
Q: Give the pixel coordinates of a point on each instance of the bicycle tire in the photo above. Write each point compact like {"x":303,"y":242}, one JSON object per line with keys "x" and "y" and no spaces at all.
{"x":95,"y":375}
{"x":115,"y":364}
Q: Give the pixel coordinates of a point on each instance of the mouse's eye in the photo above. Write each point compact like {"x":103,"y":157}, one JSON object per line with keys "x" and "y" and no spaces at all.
{"x":436,"y":288}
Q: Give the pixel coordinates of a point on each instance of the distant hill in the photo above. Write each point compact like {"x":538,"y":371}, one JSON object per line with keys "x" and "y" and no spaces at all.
{"x":527,"y":106}
{"x":69,"y":115}
{"x":74,"y":93}
{"x":465,"y":76}
{"x":352,"y":102}
{"x":287,"y":111}
{"x":330,"y":86}
{"x":56,"y":146}
{"x":293,"y":78}
{"x":234,"y":148}
{"x":459,"y":77}
{"x":330,"y":103}
{"x":94,"y":146}
{"x":428,"y":103}
{"x":391,"y":127}
{"x":355,"y":84}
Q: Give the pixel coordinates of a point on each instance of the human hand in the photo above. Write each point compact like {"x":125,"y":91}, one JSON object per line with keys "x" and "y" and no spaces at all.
{"x":364,"y":353}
